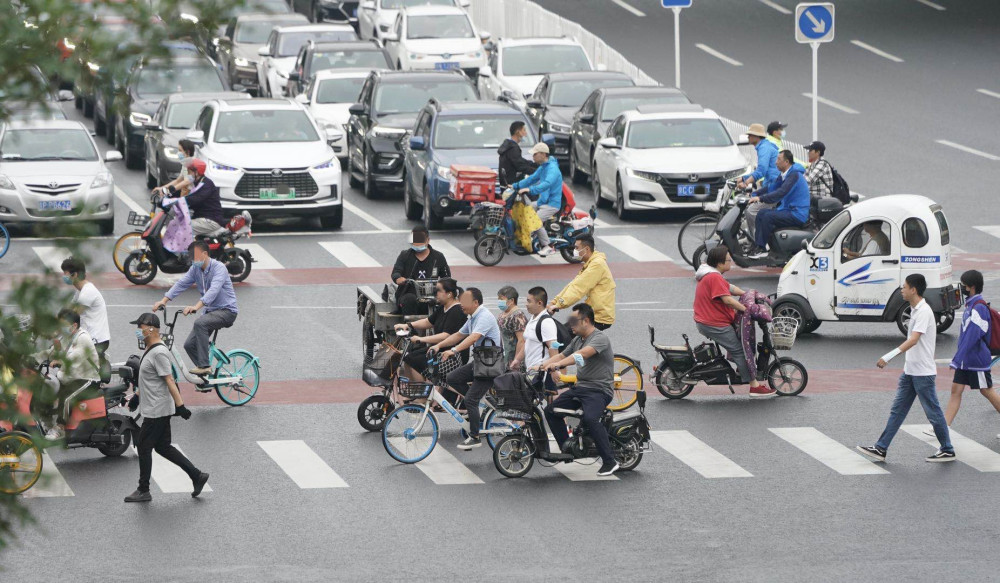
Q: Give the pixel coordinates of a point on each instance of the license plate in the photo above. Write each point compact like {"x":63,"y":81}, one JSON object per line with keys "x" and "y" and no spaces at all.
{"x":55,"y":205}
{"x":273,"y":194}
{"x":692,"y":189}
{"x":446,"y":66}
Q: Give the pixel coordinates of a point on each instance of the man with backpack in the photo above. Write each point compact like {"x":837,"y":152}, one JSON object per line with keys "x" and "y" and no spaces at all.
{"x":543,"y":335}
{"x":819,"y":174}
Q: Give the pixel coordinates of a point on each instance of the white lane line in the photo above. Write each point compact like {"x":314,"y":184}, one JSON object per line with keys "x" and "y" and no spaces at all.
{"x":302,"y":464}
{"x":453,"y":254}
{"x":634,"y":248}
{"x":170,"y":478}
{"x":350,"y":233}
{"x":445,"y":469}
{"x":989,"y":229}
{"x":988,"y":92}
{"x":832,"y":104}
{"x":776,"y":6}
{"x":313,"y":307}
{"x":878,"y":52}
{"x":932,"y":5}
{"x":602,"y":224}
{"x":366,"y":217}
{"x":631,"y":9}
{"x":830,"y":453}
{"x":349,"y":254}
{"x":262,"y":259}
{"x":51,"y":483}
{"x":655,"y":310}
{"x":129,"y":202}
{"x":719,"y":55}
{"x":967,"y":451}
{"x":553,"y":259}
{"x":52,"y":257}
{"x":968,"y":150}
{"x":957,"y":250}
{"x":697,"y":454}
{"x":583,"y":472}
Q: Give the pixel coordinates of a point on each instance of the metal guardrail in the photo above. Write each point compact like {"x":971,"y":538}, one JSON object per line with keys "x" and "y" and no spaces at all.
{"x":524,"y":18}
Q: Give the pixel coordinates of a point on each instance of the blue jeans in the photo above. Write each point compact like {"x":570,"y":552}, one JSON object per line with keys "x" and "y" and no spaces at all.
{"x":924,"y":388}
{"x":768,"y":220}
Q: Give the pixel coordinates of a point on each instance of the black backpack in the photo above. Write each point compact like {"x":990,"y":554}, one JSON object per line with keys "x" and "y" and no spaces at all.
{"x":840,"y":190}
{"x":563,"y":334}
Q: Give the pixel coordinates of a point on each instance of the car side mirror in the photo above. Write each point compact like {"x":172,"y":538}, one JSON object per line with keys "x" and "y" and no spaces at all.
{"x":112,"y":156}
{"x":608,"y":143}
{"x":805,"y":247}
{"x":418,"y":143}
{"x":743,"y":140}
{"x":153,"y":127}
{"x":264,"y":52}
{"x":333,"y":135}
{"x":294,"y":76}
{"x":485,"y":72}
{"x":197,"y":137}
{"x":302,"y":98}
{"x":587,"y":118}
{"x":535,"y":104}
{"x":357,"y":109}
{"x":464,"y":3}
{"x":484,"y":36}
{"x":390,"y":37}
{"x":549,"y":140}
{"x":65,"y":95}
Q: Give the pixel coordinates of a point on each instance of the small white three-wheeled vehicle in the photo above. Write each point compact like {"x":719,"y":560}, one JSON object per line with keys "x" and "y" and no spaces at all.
{"x":853,"y":268}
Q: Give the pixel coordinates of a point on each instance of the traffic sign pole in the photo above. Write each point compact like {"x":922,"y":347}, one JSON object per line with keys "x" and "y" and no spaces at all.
{"x":677,"y":46}
{"x":815,"y":92}
{"x":814,"y":24}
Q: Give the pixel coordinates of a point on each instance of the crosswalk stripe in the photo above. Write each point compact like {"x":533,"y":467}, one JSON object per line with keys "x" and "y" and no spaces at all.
{"x":579,"y":472}
{"x":302,"y":464}
{"x":170,"y":478}
{"x":51,"y":483}
{"x":453,"y":254}
{"x":52,"y":257}
{"x":697,"y":454}
{"x":445,"y":469}
{"x":261,"y":258}
{"x":634,"y":248}
{"x":832,"y":454}
{"x":349,"y":254}
{"x":967,"y":451}
{"x":990,"y":229}
{"x":554,"y":259}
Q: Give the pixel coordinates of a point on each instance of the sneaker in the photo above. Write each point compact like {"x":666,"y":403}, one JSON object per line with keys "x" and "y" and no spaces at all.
{"x":762,"y":391}
{"x":757,"y":253}
{"x":55,"y":434}
{"x":200,"y":370}
{"x":139,"y":496}
{"x":470,"y":443}
{"x":546,"y":251}
{"x":873,"y":451}
{"x":608,"y":469}
{"x":941,"y":456}
{"x":199,"y":483}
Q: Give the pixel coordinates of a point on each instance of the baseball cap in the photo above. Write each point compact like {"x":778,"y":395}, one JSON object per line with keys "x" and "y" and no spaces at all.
{"x":540,"y":147}
{"x":147,"y":319}
{"x":818,"y":146}
{"x":775,"y":125}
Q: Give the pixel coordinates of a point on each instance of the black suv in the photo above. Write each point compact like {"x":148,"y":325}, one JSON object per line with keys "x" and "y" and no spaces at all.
{"x":315,"y":57}
{"x":333,"y":10}
{"x":384,"y":118}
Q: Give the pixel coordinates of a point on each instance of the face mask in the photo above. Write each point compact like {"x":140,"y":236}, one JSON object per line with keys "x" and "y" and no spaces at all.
{"x":67,"y":331}
{"x":419,"y":248}
{"x":180,"y":156}
{"x":502,"y":304}
{"x":198,"y":264}
{"x":139,"y":334}
{"x":67,"y":280}
{"x":576,"y":253}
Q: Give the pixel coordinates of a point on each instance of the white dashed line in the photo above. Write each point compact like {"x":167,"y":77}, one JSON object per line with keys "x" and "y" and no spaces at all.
{"x":776,"y":6}
{"x":631,"y":9}
{"x":129,"y":202}
{"x":988,"y":92}
{"x":832,"y":104}
{"x":968,"y":150}
{"x":366,"y":217}
{"x":878,"y":52}
{"x":719,"y":55}
{"x":932,"y":5}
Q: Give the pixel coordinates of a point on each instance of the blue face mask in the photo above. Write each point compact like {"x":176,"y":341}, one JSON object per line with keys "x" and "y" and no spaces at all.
{"x":502,"y":304}
{"x":138,"y":333}
{"x":198,"y":264}
{"x":419,"y":248}
{"x":67,"y":280}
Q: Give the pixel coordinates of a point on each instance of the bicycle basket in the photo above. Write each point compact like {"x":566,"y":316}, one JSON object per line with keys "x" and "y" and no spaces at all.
{"x":383,"y":361}
{"x":494,"y":214}
{"x":413,"y":390}
{"x":783,"y":331}
{"x":518,"y":397}
{"x":137,"y":220}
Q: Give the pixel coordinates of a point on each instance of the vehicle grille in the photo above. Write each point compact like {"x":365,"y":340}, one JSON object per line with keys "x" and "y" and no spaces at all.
{"x":249,"y":186}
{"x":49,"y":190}
{"x":669,"y":182}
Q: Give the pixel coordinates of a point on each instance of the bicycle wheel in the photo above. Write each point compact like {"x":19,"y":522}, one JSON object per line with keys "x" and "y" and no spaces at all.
{"x":241,"y":363}
{"x":4,"y":240}
{"x":694,"y":233}
{"x":20,"y":462}
{"x":514,"y":455}
{"x":627,"y":383}
{"x":406,"y":442}
{"x":373,"y":411}
{"x":126,"y":244}
{"x":492,"y":421}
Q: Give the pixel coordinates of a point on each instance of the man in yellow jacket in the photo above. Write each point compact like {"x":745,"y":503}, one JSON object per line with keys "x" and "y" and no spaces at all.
{"x":593,"y":283}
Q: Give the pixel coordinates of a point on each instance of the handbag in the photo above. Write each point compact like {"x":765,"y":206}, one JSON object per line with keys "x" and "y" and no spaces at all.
{"x":487,"y":361}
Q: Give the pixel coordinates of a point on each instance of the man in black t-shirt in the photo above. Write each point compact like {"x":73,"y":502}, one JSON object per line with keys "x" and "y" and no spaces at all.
{"x":446,"y":319}
{"x":420,"y":261}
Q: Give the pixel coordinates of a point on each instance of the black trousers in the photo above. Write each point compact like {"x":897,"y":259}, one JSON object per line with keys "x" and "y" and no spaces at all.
{"x":103,"y":364}
{"x":463,"y":381}
{"x":154,"y":435}
{"x":593,"y":403}
{"x":601,"y":327}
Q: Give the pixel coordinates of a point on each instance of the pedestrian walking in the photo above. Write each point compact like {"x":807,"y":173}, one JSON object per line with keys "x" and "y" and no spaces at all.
{"x":512,"y":322}
{"x":92,"y":309}
{"x":918,"y":378}
{"x":158,"y":400}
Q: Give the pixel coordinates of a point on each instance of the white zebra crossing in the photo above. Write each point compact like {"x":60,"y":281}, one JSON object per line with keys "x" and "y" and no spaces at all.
{"x":832,"y":454}
{"x":349,"y":254}
{"x":302,"y":464}
{"x":698,"y":455}
{"x":445,"y":469}
{"x":453,"y":254}
{"x":967,"y":451}
{"x":170,"y":478}
{"x":52,"y":257}
{"x":261,"y":258}
{"x":634,"y":248}
{"x":51,"y":483}
{"x":990,"y":230}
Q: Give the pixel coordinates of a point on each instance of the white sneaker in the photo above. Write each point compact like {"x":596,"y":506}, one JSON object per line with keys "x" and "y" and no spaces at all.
{"x":55,"y":433}
{"x":546,"y":251}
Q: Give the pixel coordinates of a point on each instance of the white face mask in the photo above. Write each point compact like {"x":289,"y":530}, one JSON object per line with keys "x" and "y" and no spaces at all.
{"x":576,"y":253}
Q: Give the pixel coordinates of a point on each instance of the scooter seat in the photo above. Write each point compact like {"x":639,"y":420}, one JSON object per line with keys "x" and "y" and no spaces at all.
{"x":114,"y":391}
{"x":670,"y":348}
{"x":624,"y":415}
{"x":573,"y":412}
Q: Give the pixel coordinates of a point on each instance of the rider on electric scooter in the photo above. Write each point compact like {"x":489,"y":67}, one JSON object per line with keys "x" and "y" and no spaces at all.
{"x":203,"y":200}
{"x":547,"y":184}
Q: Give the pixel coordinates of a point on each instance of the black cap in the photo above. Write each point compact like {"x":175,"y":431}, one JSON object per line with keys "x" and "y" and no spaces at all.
{"x":774,"y":126}
{"x":818,"y":146}
{"x":147,"y":319}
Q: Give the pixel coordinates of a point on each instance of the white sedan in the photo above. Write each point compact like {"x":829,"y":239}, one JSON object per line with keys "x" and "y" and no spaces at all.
{"x":436,"y":37}
{"x":376,"y":17}
{"x":277,"y":57}
{"x":329,"y":96}
{"x":517,"y":65}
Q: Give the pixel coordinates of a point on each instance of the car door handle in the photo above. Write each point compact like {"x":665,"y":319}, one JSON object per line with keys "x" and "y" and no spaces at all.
{"x":891,"y":261}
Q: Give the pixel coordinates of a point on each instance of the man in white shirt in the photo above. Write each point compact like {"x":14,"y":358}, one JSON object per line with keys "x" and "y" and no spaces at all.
{"x":91,"y":307}
{"x":540,"y":334}
{"x":918,"y":378}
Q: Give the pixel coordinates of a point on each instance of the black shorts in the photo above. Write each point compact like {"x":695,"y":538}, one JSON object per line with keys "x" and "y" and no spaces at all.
{"x":974,"y":379}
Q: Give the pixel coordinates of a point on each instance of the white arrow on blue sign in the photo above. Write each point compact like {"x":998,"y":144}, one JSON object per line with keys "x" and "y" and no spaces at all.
{"x":814,"y":22}
{"x":676,"y":3}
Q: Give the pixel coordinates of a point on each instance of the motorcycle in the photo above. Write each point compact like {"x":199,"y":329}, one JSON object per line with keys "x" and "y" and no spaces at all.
{"x":682,"y":367}
{"x":141,"y":265}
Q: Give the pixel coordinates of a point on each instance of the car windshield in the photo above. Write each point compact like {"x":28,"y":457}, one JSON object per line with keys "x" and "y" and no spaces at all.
{"x":827,"y":236}
{"x":574,"y":93}
{"x":183,"y":115}
{"x":37,"y":145}
{"x":542,"y":59}
{"x":266,"y":6}
{"x":30,"y":111}
{"x":410,"y":97}
{"x":397,"y":4}
{"x":439,"y":26}
{"x":290,"y":42}
{"x":160,"y":81}
{"x":253,"y":31}
{"x":339,"y":90}
{"x":678,"y":133}
{"x":486,"y":132}
{"x":266,"y":125}
{"x":350,"y":59}
{"x":615,"y":105}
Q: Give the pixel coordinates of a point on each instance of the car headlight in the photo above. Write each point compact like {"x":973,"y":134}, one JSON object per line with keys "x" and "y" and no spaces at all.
{"x":381,"y":132}
{"x":101,"y":180}
{"x":474,"y":54}
{"x":734,"y":174}
{"x":650,"y":176}
{"x":222,"y":167}
{"x":6,"y":183}
{"x":561,"y":128}
{"x":241,"y":62}
{"x":444,"y":172}
{"x":171,"y":153}
{"x":138,"y":119}
{"x":417,"y":56}
{"x":328,"y":164}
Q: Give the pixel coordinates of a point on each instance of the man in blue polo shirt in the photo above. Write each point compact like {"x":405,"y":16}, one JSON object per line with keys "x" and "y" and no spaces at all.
{"x":791,"y":193}
{"x":481,"y":326}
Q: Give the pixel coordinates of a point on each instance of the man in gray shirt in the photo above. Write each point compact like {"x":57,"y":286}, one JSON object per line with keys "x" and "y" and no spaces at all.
{"x":159,"y":401}
{"x":591,"y":352}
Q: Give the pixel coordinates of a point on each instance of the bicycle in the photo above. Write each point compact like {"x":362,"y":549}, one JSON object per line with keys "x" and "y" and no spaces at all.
{"x":701,"y":227}
{"x":235,"y":374}
{"x":4,"y":240}
{"x":20,"y":462}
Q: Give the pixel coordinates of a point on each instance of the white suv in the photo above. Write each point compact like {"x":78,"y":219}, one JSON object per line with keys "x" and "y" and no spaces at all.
{"x":436,"y":37}
{"x":664,"y":156}
{"x":269,"y":157}
{"x":517,"y":65}
{"x":376,"y":17}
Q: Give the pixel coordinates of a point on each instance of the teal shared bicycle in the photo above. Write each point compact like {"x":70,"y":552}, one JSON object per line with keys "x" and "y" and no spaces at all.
{"x":4,"y":240}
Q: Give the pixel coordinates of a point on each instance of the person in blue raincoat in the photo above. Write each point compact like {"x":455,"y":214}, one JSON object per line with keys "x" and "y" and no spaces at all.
{"x":767,"y":158}
{"x":547,"y":184}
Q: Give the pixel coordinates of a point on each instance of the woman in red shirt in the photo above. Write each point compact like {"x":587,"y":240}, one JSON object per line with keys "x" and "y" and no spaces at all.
{"x":715,"y":310}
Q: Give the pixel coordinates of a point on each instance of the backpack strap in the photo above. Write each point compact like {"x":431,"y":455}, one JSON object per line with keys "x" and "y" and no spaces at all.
{"x":538,"y":332}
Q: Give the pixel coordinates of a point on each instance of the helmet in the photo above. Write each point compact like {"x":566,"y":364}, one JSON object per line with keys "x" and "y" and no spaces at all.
{"x":197,"y":165}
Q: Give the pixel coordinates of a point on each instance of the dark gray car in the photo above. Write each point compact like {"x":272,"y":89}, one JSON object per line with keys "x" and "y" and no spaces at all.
{"x":237,"y":49}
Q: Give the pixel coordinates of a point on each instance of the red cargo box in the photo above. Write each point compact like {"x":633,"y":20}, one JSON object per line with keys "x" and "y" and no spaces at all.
{"x":473,"y":183}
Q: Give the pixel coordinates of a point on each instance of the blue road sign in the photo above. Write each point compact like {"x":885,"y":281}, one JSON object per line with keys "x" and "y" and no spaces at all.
{"x":676,"y":3}
{"x":814,"y":22}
